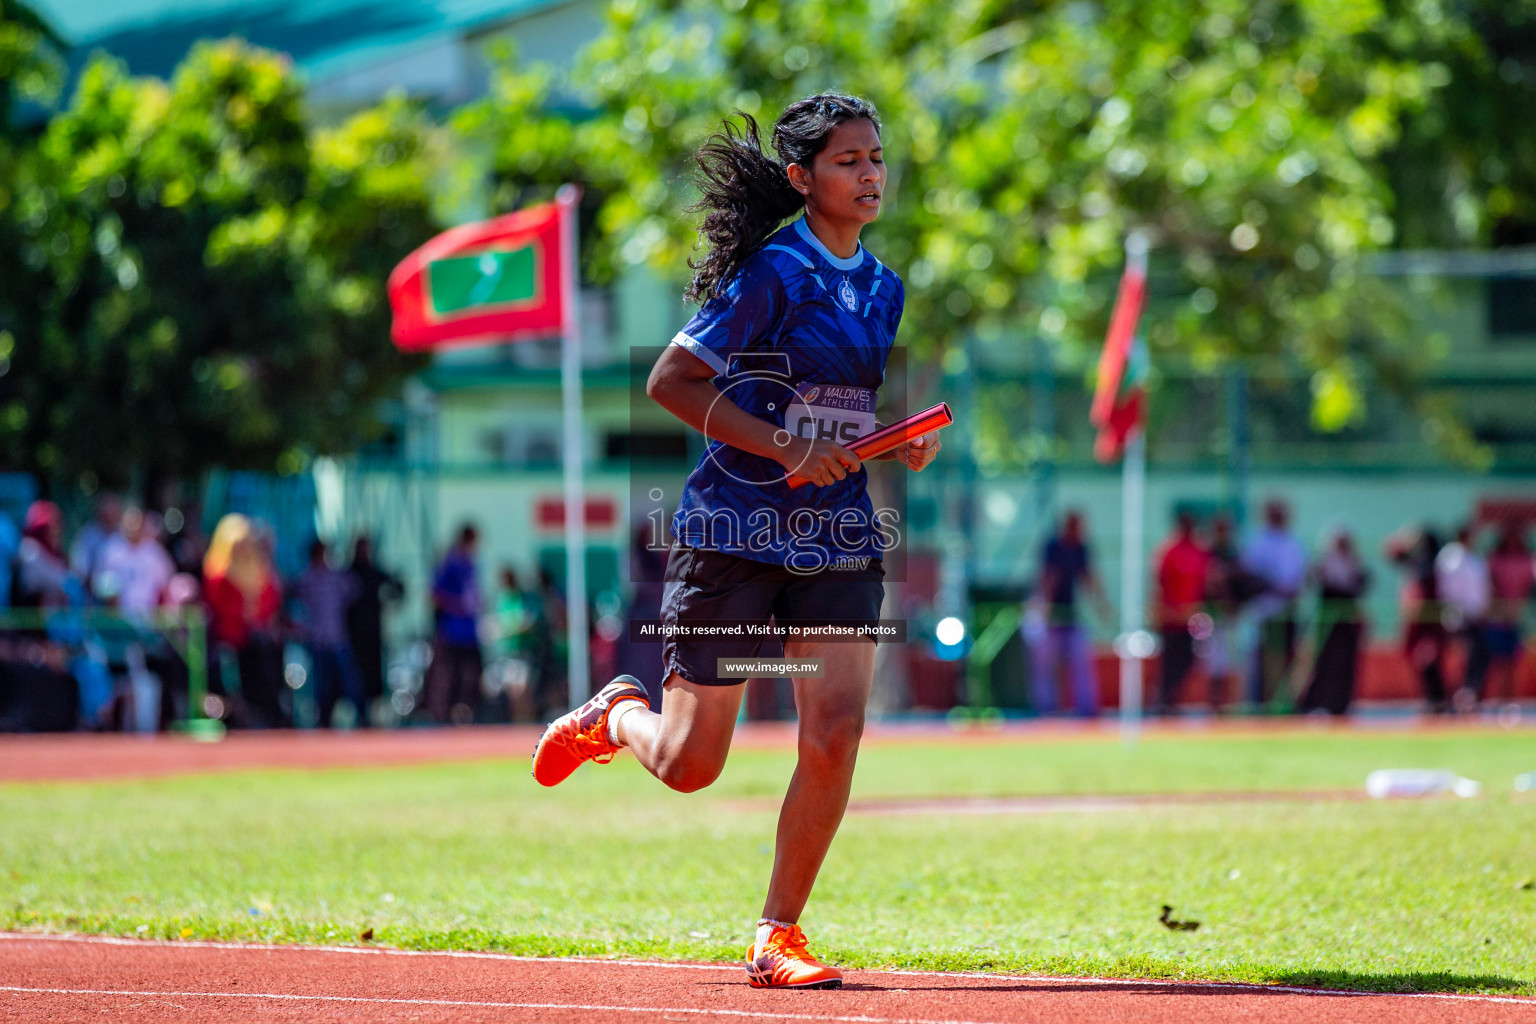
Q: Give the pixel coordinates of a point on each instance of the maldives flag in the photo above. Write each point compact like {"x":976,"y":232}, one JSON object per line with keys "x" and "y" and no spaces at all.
{"x":498,"y":279}
{"x":1120,"y":400}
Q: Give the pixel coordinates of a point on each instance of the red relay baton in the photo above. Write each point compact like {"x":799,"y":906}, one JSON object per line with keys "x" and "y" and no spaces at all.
{"x":894,"y":435}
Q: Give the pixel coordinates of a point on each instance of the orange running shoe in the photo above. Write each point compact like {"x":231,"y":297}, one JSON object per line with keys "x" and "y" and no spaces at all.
{"x":784,"y":962}
{"x":582,"y":735}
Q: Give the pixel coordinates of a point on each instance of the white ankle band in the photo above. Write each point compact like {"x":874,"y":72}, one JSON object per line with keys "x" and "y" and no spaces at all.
{"x":616,"y":715}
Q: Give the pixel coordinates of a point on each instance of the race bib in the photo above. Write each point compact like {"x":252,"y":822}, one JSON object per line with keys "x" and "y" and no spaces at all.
{"x":831,"y":412}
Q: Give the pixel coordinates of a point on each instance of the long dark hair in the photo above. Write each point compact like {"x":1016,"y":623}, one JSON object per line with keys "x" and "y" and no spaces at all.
{"x":746,"y":193}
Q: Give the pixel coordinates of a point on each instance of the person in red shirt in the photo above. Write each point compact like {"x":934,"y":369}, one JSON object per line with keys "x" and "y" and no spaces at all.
{"x":1512,"y":579}
{"x":1182,"y":565}
{"x":244,"y":598}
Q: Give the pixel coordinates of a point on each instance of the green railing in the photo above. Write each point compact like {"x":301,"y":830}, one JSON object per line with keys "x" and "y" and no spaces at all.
{"x":185,"y":629}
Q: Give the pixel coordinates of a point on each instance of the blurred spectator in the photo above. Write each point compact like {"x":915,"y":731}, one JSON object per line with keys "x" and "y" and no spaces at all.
{"x":244,"y":598}
{"x":132,"y":573}
{"x":188,"y":548}
{"x":183,"y":590}
{"x":1227,"y":586}
{"x":1461,"y":576}
{"x":1424,"y":628}
{"x":642,"y":659}
{"x":1342,"y":580}
{"x":1512,"y":578}
{"x":1279,"y":563}
{"x":1181,"y":581}
{"x":43,"y":578}
{"x":1053,"y":627}
{"x":266,"y":542}
{"x":517,"y":613}
{"x":91,"y":542}
{"x":453,"y":680}
{"x":365,"y":619}
{"x":10,"y":540}
{"x":133,"y":569}
{"x":550,"y":683}
{"x":322,"y":595}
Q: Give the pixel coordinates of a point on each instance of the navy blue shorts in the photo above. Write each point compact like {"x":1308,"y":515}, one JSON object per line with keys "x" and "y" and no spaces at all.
{"x":710,"y":590}
{"x":1503,"y":640}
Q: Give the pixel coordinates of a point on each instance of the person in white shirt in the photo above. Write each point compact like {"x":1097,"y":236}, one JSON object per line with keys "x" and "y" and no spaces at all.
{"x":1279,"y":561}
{"x":133,"y":571}
{"x":1461,"y":575}
{"x":134,"y":568}
{"x":90,"y":546}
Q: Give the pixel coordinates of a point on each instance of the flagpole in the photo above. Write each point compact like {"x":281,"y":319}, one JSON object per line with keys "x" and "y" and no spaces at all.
{"x":1132,"y":481}
{"x":579,"y":671}
{"x":1132,"y":566}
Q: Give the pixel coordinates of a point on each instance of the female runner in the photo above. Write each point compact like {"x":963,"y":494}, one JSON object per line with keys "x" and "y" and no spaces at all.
{"x":781,"y":362}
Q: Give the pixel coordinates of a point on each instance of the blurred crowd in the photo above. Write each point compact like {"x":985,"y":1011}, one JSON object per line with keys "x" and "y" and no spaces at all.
{"x":523,"y":630}
{"x":1263,"y":622}
{"x":306,"y":650}
{"x":333,"y":613}
{"x":1274,"y":627}
{"x":126,"y":650}
{"x":508,"y":659}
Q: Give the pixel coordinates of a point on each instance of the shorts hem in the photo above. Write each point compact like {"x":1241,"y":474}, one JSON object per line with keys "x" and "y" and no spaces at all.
{"x":675,"y":666}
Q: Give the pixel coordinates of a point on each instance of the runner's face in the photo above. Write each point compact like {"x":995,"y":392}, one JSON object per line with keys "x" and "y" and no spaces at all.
{"x":847,"y":180}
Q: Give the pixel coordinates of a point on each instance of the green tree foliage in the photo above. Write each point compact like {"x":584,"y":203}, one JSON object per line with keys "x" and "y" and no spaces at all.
{"x":1463,"y":171}
{"x":30,"y":70}
{"x":196,"y":274}
{"x":205,"y":273}
{"x":1024,"y":141}
{"x":31,"y":67}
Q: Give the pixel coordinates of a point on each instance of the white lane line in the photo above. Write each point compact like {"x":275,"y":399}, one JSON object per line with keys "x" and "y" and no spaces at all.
{"x":1235,"y":986}
{"x":591,"y":1007}
{"x":451,"y":954}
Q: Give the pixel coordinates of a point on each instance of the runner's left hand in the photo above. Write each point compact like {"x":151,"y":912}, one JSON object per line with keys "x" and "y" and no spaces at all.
{"x":919,"y":451}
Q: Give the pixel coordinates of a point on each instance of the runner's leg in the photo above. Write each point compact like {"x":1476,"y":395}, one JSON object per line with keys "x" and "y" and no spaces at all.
{"x":686,"y":744}
{"x":831,"y":713}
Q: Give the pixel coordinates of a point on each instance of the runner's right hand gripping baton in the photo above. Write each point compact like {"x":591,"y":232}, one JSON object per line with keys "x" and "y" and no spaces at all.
{"x":895,"y":435}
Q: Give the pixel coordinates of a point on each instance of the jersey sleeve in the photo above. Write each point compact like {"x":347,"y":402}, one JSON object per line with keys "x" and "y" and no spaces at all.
{"x":741,"y":313}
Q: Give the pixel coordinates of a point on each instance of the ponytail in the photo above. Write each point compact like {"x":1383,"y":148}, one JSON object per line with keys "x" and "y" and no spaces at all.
{"x":746,"y":194}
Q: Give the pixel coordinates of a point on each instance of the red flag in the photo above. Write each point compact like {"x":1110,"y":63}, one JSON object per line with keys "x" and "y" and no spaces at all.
{"x":494,"y":280}
{"x":1119,"y":401}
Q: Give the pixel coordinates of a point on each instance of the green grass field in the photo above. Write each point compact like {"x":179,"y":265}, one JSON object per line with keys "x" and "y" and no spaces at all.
{"x":1409,"y":895}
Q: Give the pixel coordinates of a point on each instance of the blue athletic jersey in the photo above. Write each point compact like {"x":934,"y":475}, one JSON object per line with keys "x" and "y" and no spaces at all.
{"x":800,"y":338}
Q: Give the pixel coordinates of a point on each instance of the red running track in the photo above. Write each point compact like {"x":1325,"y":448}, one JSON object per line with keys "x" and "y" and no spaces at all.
{"x":78,"y":978}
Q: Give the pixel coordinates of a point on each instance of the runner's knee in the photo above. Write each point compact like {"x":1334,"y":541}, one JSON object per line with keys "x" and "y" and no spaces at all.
{"x":687,"y":772}
{"x":833,"y":740}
